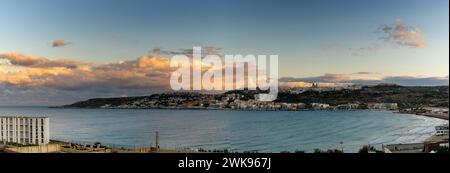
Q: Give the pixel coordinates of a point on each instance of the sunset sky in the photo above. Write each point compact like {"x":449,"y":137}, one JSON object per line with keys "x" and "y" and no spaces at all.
{"x":60,"y":51}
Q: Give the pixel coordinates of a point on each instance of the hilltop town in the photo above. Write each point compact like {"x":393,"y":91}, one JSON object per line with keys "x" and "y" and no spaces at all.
{"x":385,"y":97}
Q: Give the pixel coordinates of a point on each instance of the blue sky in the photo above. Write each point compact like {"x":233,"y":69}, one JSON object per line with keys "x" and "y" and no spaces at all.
{"x":311,"y":37}
{"x":105,"y":31}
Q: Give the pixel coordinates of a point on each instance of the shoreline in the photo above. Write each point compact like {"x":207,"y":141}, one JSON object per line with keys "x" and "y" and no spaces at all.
{"x":439,"y":116}
{"x":431,"y":115}
{"x":435,"y":115}
{"x":222,"y":109}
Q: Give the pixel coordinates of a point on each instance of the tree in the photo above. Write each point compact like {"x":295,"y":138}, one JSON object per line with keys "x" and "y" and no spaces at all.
{"x":299,"y":151}
{"x":366,"y":149}
{"x":327,"y":151}
{"x":317,"y":151}
{"x":442,"y":149}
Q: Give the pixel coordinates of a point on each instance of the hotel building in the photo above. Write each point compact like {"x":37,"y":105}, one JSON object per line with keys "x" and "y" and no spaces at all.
{"x":24,"y":130}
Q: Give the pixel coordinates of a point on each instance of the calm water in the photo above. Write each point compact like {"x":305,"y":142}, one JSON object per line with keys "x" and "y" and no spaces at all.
{"x":235,"y":130}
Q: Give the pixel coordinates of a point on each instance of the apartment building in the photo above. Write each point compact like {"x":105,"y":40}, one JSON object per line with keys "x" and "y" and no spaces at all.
{"x":24,"y":130}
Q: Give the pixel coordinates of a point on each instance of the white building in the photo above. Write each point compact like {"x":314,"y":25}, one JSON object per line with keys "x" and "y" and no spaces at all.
{"x":383,"y":106}
{"x":24,"y":130}
{"x":320,"y":106}
{"x":442,"y":130}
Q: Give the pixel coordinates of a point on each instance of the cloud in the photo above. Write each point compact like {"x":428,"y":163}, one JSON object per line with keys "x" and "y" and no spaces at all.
{"x":59,"y":43}
{"x":403,"y":35}
{"x":38,"y":80}
{"x":23,"y":77}
{"x":144,"y":73}
{"x":38,"y":62}
{"x":155,"y":63}
{"x":206,"y":50}
{"x":156,"y":50}
{"x":367,"y":73}
{"x":365,"y":78}
{"x":417,"y":81}
{"x":362,"y":51}
{"x":325,"y":78}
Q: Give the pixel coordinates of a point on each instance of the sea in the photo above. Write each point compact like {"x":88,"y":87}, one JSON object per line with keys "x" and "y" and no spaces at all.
{"x":238,"y":131}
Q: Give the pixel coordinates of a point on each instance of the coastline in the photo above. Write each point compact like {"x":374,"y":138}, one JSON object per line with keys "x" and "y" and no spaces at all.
{"x":439,"y":116}
{"x":209,"y":108}
{"x":443,"y":116}
{"x":432,"y":115}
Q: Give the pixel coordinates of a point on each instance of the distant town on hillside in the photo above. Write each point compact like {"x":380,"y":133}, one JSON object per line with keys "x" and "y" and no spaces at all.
{"x":383,"y":96}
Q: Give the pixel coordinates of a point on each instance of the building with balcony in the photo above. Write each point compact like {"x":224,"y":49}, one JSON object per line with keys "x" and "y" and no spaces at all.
{"x":24,"y":130}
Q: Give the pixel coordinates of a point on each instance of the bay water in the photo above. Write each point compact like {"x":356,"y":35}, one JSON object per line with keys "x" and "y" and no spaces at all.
{"x":262,"y":131}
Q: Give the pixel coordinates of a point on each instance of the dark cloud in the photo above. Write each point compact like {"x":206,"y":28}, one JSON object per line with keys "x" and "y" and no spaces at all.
{"x":206,"y":50}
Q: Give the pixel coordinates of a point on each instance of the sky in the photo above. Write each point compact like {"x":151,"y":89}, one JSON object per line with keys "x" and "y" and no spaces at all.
{"x":67,"y":50}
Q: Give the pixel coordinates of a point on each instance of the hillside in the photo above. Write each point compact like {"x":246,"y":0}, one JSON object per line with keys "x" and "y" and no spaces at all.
{"x":406,"y":97}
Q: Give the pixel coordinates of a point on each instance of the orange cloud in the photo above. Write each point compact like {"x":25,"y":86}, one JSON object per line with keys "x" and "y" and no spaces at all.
{"x":38,"y":62}
{"x":153,"y":63}
{"x":403,"y":35}
{"x":59,"y":43}
{"x":145,"y":72}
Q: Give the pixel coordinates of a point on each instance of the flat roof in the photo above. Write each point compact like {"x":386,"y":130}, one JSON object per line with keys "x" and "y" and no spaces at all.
{"x":9,"y":116}
{"x":406,"y":148}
